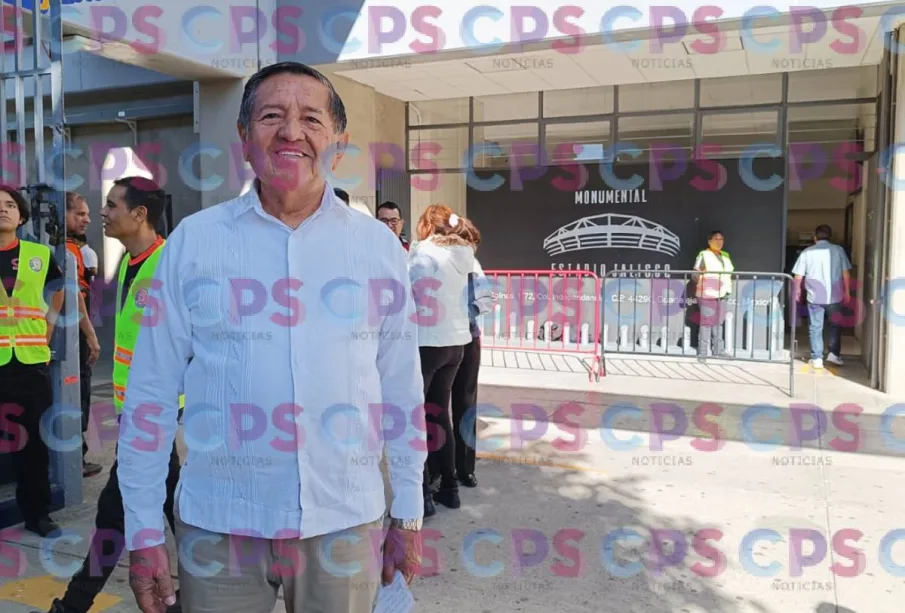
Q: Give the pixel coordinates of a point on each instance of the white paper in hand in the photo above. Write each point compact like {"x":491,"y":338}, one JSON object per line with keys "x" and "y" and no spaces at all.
{"x":395,"y":597}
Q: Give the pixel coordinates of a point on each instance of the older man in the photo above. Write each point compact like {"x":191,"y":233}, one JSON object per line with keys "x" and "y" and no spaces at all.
{"x":288,"y":318}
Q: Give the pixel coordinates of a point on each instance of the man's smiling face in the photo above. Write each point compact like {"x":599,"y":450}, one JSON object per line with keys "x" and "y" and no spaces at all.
{"x":291,"y":138}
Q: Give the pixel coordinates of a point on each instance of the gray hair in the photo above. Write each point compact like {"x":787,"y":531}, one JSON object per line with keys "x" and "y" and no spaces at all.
{"x":336,"y":108}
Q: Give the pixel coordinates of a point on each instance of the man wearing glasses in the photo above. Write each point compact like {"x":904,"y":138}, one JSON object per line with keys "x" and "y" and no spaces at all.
{"x":389,"y":213}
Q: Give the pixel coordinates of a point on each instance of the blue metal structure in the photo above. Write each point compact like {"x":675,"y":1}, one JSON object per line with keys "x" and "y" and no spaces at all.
{"x":40,"y":176}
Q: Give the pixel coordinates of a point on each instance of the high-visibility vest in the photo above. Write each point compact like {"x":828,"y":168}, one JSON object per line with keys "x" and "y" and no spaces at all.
{"x":711,"y":284}
{"x":23,"y":316}
{"x":129,"y":319}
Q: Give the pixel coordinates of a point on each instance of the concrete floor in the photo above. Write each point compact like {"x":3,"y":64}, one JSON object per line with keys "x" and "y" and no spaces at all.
{"x":538,"y":534}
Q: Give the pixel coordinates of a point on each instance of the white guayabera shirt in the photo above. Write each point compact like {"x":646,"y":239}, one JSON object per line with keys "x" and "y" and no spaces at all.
{"x":285,"y":360}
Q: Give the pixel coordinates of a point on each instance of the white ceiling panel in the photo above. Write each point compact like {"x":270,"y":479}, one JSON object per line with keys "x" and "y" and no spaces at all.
{"x":448,"y":68}
{"x":406,"y":95}
{"x":521,"y":81}
{"x":475,"y":86}
{"x":602,"y":64}
{"x":608,"y":69}
{"x":668,"y":69}
{"x":729,"y":64}
{"x":514,"y":62}
{"x":731,"y":42}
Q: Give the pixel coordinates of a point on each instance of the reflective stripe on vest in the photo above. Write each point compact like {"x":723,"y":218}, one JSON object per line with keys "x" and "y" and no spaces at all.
{"x":129,"y":318}
{"x":23,"y":317}
{"x":711,"y":284}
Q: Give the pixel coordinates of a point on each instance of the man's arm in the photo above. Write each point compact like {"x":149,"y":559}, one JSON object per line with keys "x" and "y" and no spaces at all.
{"x":399,"y":365}
{"x":846,"y":276}
{"x":799,"y":271}
{"x":151,"y":405}
{"x":56,"y":305}
{"x":85,"y":325}
{"x":483,"y":297}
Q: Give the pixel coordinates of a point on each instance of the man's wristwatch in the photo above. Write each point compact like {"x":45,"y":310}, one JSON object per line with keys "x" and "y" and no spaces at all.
{"x":406,"y":524}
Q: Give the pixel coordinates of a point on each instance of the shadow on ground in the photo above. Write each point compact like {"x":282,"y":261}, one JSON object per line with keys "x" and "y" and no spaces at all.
{"x":534,"y":538}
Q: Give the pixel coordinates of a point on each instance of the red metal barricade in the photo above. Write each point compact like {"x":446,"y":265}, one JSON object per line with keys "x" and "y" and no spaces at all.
{"x":545,"y":312}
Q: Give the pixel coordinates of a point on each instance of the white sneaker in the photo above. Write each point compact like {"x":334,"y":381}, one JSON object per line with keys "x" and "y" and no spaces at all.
{"x":817,"y":364}
{"x":835,"y":359}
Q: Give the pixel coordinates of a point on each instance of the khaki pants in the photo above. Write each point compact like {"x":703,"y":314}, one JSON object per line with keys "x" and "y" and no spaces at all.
{"x":333,"y":573}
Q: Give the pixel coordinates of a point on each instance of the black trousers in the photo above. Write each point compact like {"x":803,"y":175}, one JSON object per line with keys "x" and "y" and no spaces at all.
{"x":85,"y":389}
{"x":108,"y":541}
{"x":25,"y":394}
{"x":438,"y":368}
{"x":464,"y":404}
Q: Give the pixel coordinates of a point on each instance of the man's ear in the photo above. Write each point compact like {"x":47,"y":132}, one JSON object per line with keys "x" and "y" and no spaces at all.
{"x":243,"y":135}
{"x":141,"y":212}
{"x":341,"y":143}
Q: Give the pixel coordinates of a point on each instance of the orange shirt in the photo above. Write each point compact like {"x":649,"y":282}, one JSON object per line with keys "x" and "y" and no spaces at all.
{"x":75,"y":250}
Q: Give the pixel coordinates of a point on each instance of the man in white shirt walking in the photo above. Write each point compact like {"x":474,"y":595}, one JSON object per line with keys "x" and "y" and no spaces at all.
{"x":824,"y":267}
{"x":288,"y":319}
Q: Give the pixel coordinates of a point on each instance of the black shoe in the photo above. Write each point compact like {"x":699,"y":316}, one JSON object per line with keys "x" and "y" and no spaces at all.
{"x":469,"y":481}
{"x":89,"y":469}
{"x":55,"y":607}
{"x":448,"y":497}
{"x":429,"y":509}
{"x":42,"y":527}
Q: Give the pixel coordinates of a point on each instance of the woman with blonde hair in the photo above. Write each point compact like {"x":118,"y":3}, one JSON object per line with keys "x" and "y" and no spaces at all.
{"x":439,"y":266}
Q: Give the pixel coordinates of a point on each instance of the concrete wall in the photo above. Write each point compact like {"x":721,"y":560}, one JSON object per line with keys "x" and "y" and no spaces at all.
{"x":892,"y":312}
{"x":376,"y":126}
{"x":85,"y":72}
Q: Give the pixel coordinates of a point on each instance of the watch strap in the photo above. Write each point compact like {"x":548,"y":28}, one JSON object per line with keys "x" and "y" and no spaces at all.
{"x":406,"y":524}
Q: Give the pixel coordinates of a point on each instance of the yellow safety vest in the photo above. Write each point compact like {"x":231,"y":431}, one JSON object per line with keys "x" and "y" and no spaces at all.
{"x":714,"y":286}
{"x":129,"y":321}
{"x":23,"y":317}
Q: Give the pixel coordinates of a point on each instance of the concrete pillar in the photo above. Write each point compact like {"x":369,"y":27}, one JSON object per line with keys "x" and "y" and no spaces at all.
{"x":895,"y":306}
{"x":219,"y":171}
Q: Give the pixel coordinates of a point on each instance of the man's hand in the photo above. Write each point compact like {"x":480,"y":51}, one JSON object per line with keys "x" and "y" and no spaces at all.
{"x":150,"y":580}
{"x":94,"y":350}
{"x":401,"y":551}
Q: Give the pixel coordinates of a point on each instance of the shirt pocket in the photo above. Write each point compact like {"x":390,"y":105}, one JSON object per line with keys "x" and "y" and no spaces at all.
{"x":208,"y":302}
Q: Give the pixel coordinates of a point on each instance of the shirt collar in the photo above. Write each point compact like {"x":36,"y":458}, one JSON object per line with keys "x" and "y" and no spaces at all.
{"x":330,"y":201}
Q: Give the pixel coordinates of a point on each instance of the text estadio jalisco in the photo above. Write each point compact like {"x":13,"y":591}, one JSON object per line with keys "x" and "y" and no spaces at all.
{"x":152,"y":29}
{"x":486,"y":553}
{"x":670,"y":164}
{"x":668,"y":427}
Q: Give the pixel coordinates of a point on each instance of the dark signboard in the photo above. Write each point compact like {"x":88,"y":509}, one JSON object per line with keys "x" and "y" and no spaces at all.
{"x":631,"y":217}
{"x":604,"y":225}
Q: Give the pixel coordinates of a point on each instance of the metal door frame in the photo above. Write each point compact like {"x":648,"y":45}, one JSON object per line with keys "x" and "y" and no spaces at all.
{"x":43,"y":182}
{"x":887,"y":125}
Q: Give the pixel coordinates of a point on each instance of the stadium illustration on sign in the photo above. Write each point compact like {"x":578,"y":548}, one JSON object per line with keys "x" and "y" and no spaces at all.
{"x":612,"y":231}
